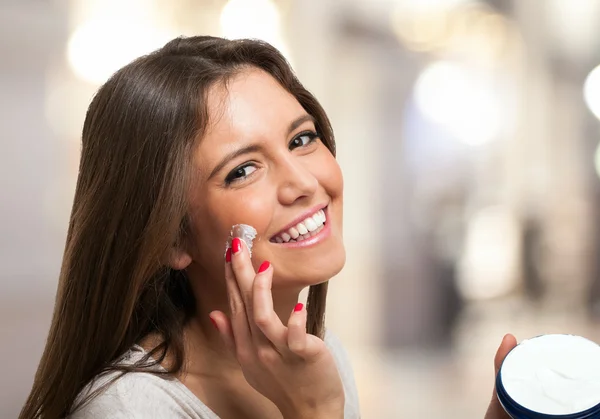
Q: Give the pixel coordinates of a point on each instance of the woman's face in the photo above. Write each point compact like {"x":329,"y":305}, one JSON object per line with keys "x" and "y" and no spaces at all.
{"x":261,"y":163}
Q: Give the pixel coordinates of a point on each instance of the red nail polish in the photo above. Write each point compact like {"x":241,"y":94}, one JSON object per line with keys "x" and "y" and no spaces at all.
{"x":264,"y":266}
{"x":214,"y":323}
{"x":236,"y":245}
{"x":228,"y":255}
{"x":299,"y":307}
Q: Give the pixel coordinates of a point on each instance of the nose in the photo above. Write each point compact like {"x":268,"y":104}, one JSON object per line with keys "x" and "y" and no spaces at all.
{"x":295,"y":179}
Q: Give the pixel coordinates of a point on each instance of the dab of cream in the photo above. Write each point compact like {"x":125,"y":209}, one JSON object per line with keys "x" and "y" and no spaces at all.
{"x":242,"y":231}
{"x":553,"y":374}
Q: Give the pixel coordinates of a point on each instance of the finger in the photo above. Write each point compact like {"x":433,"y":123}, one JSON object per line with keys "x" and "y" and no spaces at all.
{"x":239,"y":321}
{"x":242,"y":268}
{"x":265,"y":317}
{"x":495,"y":409}
{"x":236,"y":302}
{"x":296,"y":337}
{"x":507,"y":344}
{"x":244,"y":274}
{"x":223,"y":326}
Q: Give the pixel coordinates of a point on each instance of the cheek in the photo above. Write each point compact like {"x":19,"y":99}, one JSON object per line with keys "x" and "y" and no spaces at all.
{"x":212,"y":221}
{"x":252,"y":206}
{"x":330,"y":176}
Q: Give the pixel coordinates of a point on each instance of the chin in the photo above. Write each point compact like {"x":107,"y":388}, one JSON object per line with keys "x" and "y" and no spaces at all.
{"x":334,"y":265}
{"x":316,"y":271}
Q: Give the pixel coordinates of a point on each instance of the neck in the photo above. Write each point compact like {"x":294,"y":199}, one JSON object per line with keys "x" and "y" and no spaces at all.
{"x":210,"y":371}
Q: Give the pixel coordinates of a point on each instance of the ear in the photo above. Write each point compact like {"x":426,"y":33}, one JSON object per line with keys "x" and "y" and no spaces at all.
{"x":179,"y":258}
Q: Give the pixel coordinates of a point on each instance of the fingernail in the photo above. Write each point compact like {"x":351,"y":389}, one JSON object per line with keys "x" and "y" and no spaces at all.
{"x":228,"y":255}
{"x":298,"y":307}
{"x":264,"y":266}
{"x":214,"y":323}
{"x":236,"y":245}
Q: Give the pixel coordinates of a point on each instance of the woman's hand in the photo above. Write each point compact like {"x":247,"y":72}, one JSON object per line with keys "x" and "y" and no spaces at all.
{"x":495,"y":410}
{"x":293,"y":369}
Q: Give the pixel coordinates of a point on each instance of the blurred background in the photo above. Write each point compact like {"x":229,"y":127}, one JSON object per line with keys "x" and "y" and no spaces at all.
{"x":468,"y":135}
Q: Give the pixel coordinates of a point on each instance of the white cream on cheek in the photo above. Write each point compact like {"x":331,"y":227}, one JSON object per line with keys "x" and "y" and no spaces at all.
{"x":242,"y":231}
{"x":554,"y":374}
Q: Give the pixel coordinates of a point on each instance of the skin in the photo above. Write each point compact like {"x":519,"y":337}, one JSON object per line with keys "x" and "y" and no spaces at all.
{"x":256,"y":357}
{"x":281,"y":185}
{"x":495,"y":410}
{"x":283,"y":182}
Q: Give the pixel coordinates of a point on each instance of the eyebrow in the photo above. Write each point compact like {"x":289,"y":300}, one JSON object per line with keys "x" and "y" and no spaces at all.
{"x":299,"y":121}
{"x":252,"y":148}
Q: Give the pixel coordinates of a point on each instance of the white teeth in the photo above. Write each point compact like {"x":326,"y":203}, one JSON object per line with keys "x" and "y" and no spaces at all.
{"x":317,"y":218}
{"x":323,"y":217}
{"x":301,"y":228}
{"x":293,"y":233}
{"x":310,"y":224}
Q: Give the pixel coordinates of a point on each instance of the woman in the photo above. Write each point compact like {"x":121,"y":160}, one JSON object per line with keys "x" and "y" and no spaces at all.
{"x":178,"y":147}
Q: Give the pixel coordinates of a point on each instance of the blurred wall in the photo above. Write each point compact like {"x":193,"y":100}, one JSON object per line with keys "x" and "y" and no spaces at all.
{"x":32,"y":35}
{"x":467,"y":133}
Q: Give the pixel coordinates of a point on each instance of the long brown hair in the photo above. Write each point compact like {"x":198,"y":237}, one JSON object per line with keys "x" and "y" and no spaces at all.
{"x":130,"y":210}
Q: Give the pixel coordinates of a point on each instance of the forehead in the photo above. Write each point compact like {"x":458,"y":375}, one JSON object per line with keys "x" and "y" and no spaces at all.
{"x":252,"y":106}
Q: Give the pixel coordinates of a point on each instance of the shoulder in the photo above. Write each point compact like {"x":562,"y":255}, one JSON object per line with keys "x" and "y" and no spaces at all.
{"x":352,"y":408}
{"x":333,"y":342}
{"x":138,"y":395}
{"x":339,"y":353}
{"x":134,"y":395}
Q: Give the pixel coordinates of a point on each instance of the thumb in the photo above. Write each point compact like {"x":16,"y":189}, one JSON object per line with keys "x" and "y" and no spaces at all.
{"x":495,"y":410}
{"x":508,"y":343}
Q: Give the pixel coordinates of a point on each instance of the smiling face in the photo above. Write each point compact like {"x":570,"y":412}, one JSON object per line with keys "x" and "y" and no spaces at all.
{"x":262,"y":163}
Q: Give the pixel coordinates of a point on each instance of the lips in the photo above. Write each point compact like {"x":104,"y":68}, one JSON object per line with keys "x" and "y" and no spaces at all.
{"x":308,"y":227}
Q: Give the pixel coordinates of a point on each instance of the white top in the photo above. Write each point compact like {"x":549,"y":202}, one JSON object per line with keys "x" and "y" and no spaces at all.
{"x":140,"y":395}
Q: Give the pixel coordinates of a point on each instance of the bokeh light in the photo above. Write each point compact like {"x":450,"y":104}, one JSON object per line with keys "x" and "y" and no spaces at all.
{"x":256,"y":19}
{"x":591,"y":91}
{"x":460,"y":100}
{"x":98,"y":48}
{"x":490,"y":260}
{"x":250,"y":19}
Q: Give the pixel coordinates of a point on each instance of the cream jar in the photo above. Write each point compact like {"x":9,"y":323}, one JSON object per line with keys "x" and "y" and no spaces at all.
{"x":551,"y":377}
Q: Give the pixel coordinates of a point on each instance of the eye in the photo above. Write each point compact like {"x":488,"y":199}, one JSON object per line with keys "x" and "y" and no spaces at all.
{"x":240,"y":172}
{"x":303,"y":139}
